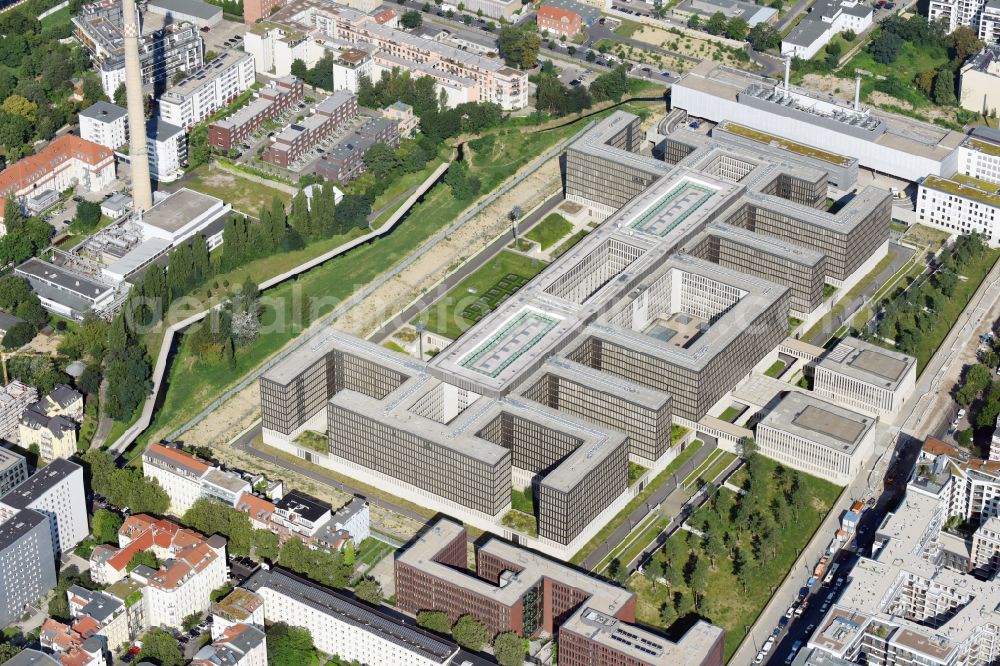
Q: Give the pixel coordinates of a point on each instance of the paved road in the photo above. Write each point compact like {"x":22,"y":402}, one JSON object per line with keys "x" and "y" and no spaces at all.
{"x":443,"y":287}
{"x":652,"y":504}
{"x":794,"y":11}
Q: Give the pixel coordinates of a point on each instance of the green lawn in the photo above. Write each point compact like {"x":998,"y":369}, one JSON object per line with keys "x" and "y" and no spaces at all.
{"x":725,"y":603}
{"x":244,"y":194}
{"x":568,"y":244}
{"x":730,"y":414}
{"x":203,"y":379}
{"x":57,"y":18}
{"x":912,"y":60}
{"x":776,"y":368}
{"x":399,"y":187}
{"x":313,"y":440}
{"x":634,"y":472}
{"x":522,"y":500}
{"x":630,"y":549}
{"x":475,"y":296}
{"x":550,"y":231}
{"x":522,"y":522}
{"x":638,"y":500}
{"x":627,"y":28}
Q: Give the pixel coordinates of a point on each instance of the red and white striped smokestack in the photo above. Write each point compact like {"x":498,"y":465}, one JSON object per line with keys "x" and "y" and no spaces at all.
{"x":142,"y":195}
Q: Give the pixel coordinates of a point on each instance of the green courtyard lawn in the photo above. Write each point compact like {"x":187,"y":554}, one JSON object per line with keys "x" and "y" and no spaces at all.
{"x":245,"y":195}
{"x":550,"y":230}
{"x":776,"y":369}
{"x":475,"y":296}
{"x":638,"y":500}
{"x":568,"y":244}
{"x":725,"y":600}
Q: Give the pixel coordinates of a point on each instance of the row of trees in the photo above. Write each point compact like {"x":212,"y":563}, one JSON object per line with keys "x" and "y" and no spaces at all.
{"x":508,"y":648}
{"x":742,"y":533}
{"x":906,"y":319}
{"x":558,"y":99}
{"x":25,"y":237}
{"x":125,"y":487}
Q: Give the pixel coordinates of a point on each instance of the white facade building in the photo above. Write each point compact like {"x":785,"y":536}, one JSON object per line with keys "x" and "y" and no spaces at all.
{"x":979,"y":82}
{"x":208,"y":89}
{"x":983,"y":16}
{"x":979,"y":156}
{"x":866,"y":377}
{"x":959,"y":206}
{"x":177,"y":472}
{"x":350,"y":67}
{"x":342,"y":626}
{"x":239,"y":645}
{"x":167,"y":149}
{"x":826,"y":19}
{"x":55,"y":491}
{"x":105,"y":124}
{"x":817,"y":437}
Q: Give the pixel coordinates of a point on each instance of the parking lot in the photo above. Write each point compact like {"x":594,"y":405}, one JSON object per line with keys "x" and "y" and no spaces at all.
{"x":220,"y":37}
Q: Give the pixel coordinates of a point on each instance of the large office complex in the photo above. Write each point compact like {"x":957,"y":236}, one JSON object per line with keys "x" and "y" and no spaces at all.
{"x":513,"y":589}
{"x":651,"y":318}
{"x":165,"y":47}
{"x":55,"y":491}
{"x":348,"y":628}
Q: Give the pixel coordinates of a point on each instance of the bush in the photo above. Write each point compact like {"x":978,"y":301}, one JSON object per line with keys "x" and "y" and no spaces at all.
{"x":19,"y":335}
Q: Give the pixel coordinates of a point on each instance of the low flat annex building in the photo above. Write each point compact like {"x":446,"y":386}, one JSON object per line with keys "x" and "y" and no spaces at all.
{"x":650,"y":319}
{"x":514,"y":589}
{"x":817,"y":437}
{"x":865,"y":377}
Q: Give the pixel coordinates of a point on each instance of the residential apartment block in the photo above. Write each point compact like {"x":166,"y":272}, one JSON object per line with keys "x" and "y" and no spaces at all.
{"x":343,"y":626}
{"x":288,"y":35}
{"x":27,"y":566}
{"x":192,"y":568}
{"x":187,"y":478}
{"x":207,"y":89}
{"x":345,"y":161}
{"x":817,"y":437}
{"x":299,"y":138}
{"x":105,"y":124}
{"x":13,"y":470}
{"x":559,"y":22}
{"x":513,"y":589}
{"x":55,"y":491}
{"x":51,"y":423}
{"x":272,"y":100}
{"x":983,"y":16}
{"x":402,"y":114}
{"x":980,"y":79}
{"x":979,"y":155}
{"x":14,"y":399}
{"x":916,"y":600}
{"x":104,"y":614}
{"x":165,"y":48}
{"x":239,"y":645}
{"x":350,"y":67}
{"x":865,"y":377}
{"x":67,"y":161}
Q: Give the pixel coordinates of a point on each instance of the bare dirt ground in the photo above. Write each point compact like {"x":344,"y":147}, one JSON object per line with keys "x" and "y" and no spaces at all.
{"x":844,"y":89}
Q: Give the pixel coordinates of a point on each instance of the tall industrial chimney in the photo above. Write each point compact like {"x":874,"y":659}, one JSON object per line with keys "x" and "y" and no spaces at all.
{"x":857,"y":93}
{"x":142,"y":196}
{"x":788,"y":70}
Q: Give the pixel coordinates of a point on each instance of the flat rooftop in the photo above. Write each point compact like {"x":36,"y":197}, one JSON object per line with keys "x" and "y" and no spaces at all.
{"x":821,"y":422}
{"x":179,"y":209}
{"x":867,"y":362}
{"x":41,"y":482}
{"x":966,"y":187}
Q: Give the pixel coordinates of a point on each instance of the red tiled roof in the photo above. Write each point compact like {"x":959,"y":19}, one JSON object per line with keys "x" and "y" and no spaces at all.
{"x":385,"y":15}
{"x":257,"y":508}
{"x":558,"y":14}
{"x":35,"y":167}
{"x":180,"y":458}
{"x":936,"y":447}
